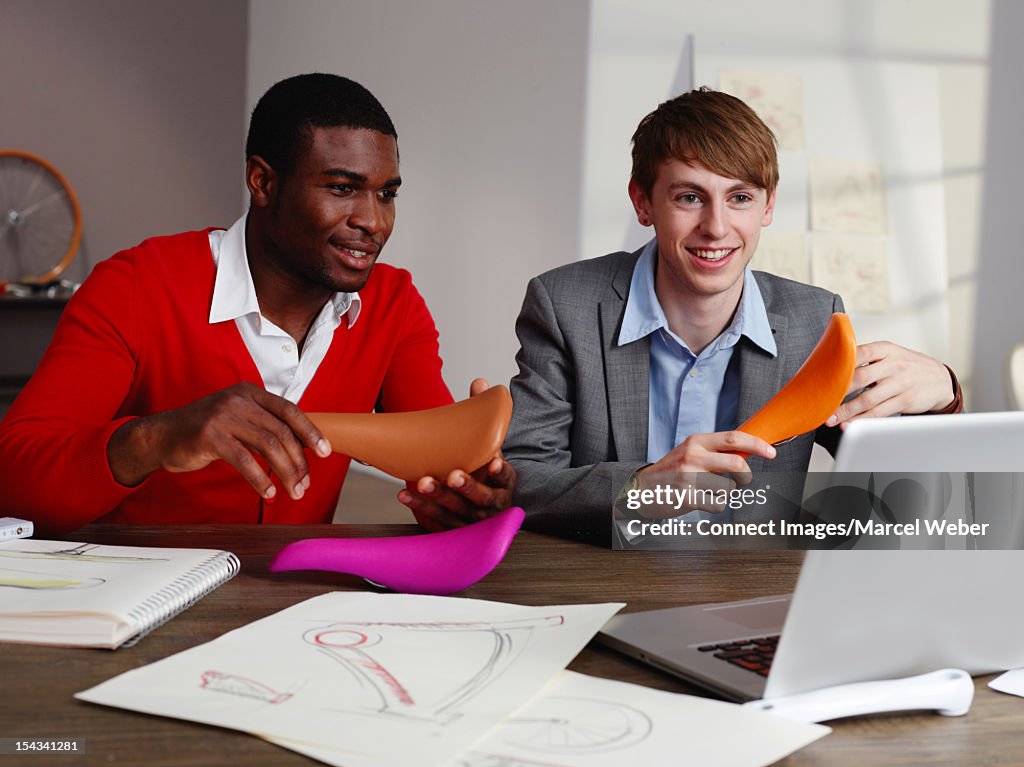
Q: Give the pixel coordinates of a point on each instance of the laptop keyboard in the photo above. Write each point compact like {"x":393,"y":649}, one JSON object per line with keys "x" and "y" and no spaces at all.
{"x":754,"y":655}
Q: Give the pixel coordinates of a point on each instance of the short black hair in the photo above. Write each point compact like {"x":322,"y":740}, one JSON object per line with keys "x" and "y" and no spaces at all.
{"x":281,"y":124}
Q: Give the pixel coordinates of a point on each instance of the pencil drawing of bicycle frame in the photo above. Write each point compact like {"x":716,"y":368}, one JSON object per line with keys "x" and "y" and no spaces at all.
{"x":80,"y":553}
{"x":353,"y":646}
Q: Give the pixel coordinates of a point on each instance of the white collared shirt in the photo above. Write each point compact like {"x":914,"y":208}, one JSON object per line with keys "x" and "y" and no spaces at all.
{"x":284,"y":371}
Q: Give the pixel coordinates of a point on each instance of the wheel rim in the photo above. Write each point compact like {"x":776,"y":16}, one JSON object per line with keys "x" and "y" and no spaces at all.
{"x":40,"y":219}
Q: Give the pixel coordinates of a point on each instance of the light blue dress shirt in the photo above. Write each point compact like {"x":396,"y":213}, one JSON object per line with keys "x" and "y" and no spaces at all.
{"x":689,"y":394}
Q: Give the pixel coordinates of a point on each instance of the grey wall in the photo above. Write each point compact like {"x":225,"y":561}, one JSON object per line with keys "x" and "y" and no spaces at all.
{"x":487,"y":97}
{"x":1000,"y":314}
{"x":143,"y":106}
{"x":139,"y":104}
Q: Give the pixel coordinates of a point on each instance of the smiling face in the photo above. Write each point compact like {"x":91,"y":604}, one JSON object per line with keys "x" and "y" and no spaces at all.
{"x":707,"y":227}
{"x":323,"y":225}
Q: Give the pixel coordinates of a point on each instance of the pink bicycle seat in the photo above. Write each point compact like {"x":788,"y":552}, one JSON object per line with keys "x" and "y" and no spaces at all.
{"x":432,"y":563}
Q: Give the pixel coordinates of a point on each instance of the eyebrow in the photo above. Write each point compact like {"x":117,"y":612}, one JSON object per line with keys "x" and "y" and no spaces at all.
{"x":359,"y":178}
{"x":698,"y":188}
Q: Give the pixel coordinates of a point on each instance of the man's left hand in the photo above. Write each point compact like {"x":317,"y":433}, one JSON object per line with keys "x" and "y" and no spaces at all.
{"x":894,"y":380}
{"x":463,"y":497}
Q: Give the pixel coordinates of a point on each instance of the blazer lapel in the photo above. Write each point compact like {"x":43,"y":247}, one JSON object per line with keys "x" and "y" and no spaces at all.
{"x":626,"y":372}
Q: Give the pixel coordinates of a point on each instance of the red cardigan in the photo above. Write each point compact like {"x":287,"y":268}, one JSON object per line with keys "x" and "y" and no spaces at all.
{"x":136,"y":339}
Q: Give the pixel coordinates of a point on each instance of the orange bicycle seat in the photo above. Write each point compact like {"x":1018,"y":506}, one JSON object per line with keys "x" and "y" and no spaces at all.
{"x":814,"y":393}
{"x":423,"y":443}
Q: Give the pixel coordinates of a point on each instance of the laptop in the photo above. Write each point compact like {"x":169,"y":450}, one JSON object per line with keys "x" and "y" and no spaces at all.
{"x":862,"y":615}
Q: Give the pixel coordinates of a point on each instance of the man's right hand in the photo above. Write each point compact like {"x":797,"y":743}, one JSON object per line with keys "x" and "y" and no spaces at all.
{"x":698,"y":461}
{"x":230,"y":425}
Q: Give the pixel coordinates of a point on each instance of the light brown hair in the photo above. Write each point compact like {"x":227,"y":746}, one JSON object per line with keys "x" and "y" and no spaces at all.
{"x":711,"y":128}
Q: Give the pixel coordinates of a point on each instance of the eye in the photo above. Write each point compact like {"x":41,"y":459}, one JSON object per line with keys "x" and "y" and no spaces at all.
{"x":688,"y":198}
{"x":341,"y":188}
{"x":743,"y":199}
{"x":388,"y":194}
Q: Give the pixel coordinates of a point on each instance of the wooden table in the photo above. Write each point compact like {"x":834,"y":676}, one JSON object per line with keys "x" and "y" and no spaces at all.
{"x":38,"y":682}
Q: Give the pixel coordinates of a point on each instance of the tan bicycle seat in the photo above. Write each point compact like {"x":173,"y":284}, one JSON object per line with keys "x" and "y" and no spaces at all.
{"x":423,"y":443}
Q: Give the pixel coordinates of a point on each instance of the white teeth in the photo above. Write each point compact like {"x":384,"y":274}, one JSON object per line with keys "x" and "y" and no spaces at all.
{"x":712,"y":255}
{"x":357,"y":253}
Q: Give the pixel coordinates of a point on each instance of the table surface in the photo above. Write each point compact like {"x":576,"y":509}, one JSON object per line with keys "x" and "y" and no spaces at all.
{"x":38,"y":682}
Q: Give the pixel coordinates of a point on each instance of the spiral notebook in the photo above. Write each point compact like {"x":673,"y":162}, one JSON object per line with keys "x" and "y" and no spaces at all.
{"x":88,"y":595}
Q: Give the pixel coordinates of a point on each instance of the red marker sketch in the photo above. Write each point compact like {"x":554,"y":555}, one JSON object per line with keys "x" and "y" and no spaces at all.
{"x":244,"y":687}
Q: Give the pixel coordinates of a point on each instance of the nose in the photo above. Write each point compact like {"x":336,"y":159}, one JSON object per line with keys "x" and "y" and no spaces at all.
{"x":713,"y":222}
{"x":368,"y":214}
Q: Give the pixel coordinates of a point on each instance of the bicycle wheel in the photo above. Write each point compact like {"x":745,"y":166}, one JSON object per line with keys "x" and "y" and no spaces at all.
{"x":40,"y":220}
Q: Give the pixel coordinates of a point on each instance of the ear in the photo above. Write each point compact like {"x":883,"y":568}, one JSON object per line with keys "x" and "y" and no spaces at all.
{"x":641,"y":203}
{"x":769,"y":210}
{"x":262,"y":181}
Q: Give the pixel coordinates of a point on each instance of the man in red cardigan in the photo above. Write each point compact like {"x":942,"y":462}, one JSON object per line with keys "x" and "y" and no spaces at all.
{"x":175,"y":385}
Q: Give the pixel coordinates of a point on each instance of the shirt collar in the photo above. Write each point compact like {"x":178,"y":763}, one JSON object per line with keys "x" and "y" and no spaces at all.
{"x":644,"y":315}
{"x":234,"y":294}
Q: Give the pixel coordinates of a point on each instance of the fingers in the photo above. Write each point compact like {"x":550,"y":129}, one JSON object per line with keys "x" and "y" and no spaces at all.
{"x":719,"y":453}
{"x":237,"y":425}
{"x":300,"y":425}
{"x":478,"y":386}
{"x":239,"y":457}
{"x":437,"y":508}
{"x":464,"y":498}
{"x":892,"y":379}
{"x":261,"y":423}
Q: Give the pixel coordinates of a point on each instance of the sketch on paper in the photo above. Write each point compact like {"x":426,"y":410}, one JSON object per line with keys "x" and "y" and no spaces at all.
{"x":777,"y":99}
{"x":29,"y":579}
{"x":784,"y":254}
{"x":475,"y":759}
{"x":847,"y":197}
{"x":569,"y":725}
{"x":79,"y":553}
{"x":216,"y":681}
{"x":396,"y":679}
{"x":361,"y":647}
{"x":855,"y":267}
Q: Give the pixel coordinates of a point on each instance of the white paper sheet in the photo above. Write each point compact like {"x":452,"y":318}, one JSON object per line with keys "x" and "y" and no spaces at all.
{"x":776,"y":98}
{"x":855,"y":267}
{"x":784,"y":254}
{"x":391,"y":678}
{"x":847,"y":196}
{"x":1012,"y":682}
{"x":583,"y":721}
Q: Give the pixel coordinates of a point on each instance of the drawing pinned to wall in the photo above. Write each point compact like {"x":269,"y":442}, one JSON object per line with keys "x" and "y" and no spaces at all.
{"x":783,"y":253}
{"x":847,"y":197}
{"x":776,"y":97}
{"x":855,"y":267}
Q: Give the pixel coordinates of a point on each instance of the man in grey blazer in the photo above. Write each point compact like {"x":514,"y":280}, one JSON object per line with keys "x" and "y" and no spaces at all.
{"x":641,"y":365}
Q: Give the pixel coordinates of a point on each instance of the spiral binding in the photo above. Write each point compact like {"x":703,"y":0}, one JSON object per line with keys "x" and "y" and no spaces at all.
{"x":181,"y":593}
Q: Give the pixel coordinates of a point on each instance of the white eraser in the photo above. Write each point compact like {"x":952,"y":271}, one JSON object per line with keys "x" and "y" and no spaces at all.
{"x":12,"y":527}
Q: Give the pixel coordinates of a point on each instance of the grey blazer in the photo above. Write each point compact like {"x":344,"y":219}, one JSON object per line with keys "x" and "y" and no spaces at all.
{"x":579,"y":421}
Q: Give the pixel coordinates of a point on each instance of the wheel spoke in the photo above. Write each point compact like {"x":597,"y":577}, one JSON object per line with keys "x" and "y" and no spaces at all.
{"x":39,"y":219}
